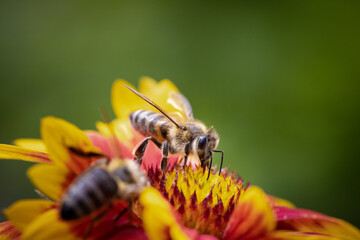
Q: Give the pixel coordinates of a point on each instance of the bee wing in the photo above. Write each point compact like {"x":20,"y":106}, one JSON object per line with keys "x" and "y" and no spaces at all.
{"x":180,"y":102}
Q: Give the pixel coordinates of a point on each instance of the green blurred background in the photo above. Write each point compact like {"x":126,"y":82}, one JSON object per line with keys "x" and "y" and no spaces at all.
{"x":278,"y":80}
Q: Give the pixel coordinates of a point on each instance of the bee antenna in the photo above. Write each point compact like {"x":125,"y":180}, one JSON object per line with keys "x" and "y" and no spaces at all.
{"x":146,"y":99}
{"x":222,"y":158}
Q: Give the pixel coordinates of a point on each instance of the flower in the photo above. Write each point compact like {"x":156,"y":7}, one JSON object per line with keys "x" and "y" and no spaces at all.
{"x":222,"y":207}
{"x":65,"y":153}
{"x":187,"y":206}
{"x":181,"y":203}
{"x":8,"y":231}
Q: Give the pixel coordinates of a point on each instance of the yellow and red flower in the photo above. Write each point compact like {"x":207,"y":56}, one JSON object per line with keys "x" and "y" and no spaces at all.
{"x":180,"y":204}
{"x":61,"y":164}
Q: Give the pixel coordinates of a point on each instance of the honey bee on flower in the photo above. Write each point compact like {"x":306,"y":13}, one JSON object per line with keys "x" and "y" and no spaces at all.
{"x":163,"y":116}
{"x":88,"y":189}
{"x":181,"y":203}
{"x":173,"y":134}
{"x":100,"y":185}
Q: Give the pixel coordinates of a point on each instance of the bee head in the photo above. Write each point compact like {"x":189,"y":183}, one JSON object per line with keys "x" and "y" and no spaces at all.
{"x":130,"y":178}
{"x":206,"y":145}
{"x":202,"y":149}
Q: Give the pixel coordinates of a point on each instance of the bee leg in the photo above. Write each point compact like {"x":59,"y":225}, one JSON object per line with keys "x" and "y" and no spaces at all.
{"x":88,"y":229}
{"x":211,"y":158}
{"x":120,"y":214}
{"x":140,"y":151}
{"x":165,"y":152}
{"x":222,"y":158}
{"x":130,"y":212}
{"x":187,"y":152}
{"x":96,"y":218}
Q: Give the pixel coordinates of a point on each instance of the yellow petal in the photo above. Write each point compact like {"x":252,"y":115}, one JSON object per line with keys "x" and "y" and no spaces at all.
{"x":50,"y":179}
{"x":21,"y":153}
{"x":124,"y":101}
{"x":159,"y":92}
{"x":104,"y":129}
{"x":29,"y":143}
{"x":59,"y":136}
{"x":120,"y":128}
{"x":304,"y":220}
{"x":281,"y":202}
{"x":147,"y":84}
{"x":252,"y":217}
{"x":158,"y":219}
{"x":22,"y":212}
{"x":338,"y":228}
{"x":9,"y":232}
{"x":48,"y":226}
{"x":289,"y":235}
{"x":258,"y":198}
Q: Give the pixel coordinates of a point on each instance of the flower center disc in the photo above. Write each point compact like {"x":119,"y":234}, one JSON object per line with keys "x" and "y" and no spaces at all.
{"x":202,"y":204}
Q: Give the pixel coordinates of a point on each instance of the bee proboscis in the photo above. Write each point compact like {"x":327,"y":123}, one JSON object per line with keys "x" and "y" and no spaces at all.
{"x":173,"y":134}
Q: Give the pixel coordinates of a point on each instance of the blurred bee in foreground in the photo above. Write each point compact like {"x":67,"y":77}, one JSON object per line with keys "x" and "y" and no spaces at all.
{"x":174,"y":134}
{"x":100,"y":185}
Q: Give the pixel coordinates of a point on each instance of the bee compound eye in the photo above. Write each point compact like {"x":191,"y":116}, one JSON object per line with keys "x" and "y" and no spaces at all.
{"x":203,"y":141}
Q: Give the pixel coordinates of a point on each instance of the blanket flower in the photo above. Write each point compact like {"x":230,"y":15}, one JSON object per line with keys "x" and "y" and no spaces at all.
{"x":179,"y":203}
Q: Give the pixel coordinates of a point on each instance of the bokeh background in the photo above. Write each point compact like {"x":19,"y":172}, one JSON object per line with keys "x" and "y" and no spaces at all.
{"x":278,"y":80}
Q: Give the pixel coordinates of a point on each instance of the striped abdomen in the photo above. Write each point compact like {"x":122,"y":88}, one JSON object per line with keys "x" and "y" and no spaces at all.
{"x":150,"y":123}
{"x":91,"y":191}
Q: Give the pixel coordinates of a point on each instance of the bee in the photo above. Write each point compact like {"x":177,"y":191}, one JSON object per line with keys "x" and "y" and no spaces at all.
{"x":100,"y":185}
{"x":173,"y":134}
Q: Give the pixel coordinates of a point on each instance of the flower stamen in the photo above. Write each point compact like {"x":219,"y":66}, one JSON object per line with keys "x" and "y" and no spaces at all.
{"x":203,"y":204}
